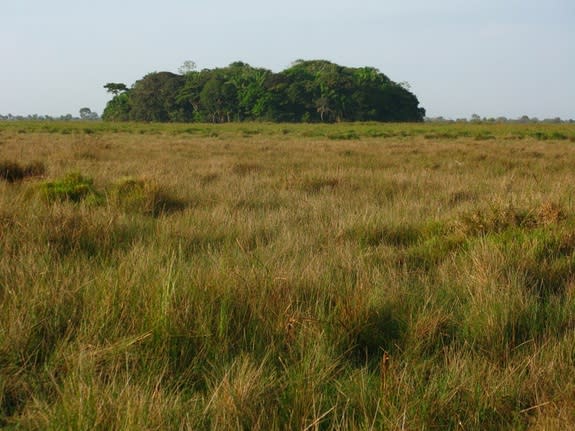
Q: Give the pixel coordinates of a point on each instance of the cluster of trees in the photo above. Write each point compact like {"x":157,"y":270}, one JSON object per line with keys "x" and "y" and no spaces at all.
{"x":308,"y":91}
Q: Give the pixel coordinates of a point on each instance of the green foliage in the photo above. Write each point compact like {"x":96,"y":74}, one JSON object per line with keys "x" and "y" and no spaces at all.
{"x":117,"y":109}
{"x":74,"y":187}
{"x":345,"y":136}
{"x":115,"y":88}
{"x":218,"y":99}
{"x":308,"y":91}
{"x":154,"y":98}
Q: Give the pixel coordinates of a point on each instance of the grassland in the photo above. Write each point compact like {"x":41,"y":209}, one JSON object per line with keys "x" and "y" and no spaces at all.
{"x":305,"y":277}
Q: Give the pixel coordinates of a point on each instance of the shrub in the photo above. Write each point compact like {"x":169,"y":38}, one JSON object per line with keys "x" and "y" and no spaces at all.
{"x":73,"y":187}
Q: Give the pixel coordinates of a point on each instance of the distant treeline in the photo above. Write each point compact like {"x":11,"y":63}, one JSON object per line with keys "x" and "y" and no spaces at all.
{"x":85,"y":114}
{"x":524,"y":119}
{"x":308,"y":91}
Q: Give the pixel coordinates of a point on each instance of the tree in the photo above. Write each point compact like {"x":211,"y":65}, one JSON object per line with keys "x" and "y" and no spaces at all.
{"x":218,"y":99}
{"x":187,"y":66}
{"x":249,"y":83}
{"x":274,"y":105}
{"x":189,"y":94}
{"x":115,"y":88}
{"x":87,"y":114}
{"x":117,"y":109}
{"x":154,"y":98}
{"x":323,"y":107}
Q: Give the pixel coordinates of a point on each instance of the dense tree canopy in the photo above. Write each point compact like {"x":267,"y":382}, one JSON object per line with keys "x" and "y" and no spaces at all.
{"x":309,"y":91}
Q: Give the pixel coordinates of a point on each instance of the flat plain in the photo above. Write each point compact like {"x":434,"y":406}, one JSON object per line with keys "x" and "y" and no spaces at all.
{"x":282,"y":276}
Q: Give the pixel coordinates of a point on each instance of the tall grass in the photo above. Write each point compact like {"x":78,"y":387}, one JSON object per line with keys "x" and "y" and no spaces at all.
{"x":265,"y":279}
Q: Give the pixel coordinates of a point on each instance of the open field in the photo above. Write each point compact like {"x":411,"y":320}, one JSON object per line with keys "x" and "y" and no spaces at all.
{"x":305,"y":277}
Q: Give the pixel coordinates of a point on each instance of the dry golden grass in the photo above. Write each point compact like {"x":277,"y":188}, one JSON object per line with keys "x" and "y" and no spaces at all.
{"x":288,"y":277}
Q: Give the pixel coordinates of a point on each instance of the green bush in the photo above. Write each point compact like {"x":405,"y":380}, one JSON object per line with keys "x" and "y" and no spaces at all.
{"x":73,"y":187}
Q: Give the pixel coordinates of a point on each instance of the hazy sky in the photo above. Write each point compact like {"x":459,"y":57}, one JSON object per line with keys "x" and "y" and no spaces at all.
{"x":490,"y":57}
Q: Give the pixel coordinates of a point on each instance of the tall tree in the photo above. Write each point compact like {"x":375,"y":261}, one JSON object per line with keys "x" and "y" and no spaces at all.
{"x":154,"y":98}
{"x":87,"y":114}
{"x":118,"y":109}
{"x":218,"y":99}
{"x":188,"y":66}
{"x":115,"y":88}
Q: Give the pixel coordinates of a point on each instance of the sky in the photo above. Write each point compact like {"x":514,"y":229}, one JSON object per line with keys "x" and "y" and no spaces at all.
{"x":460,"y":57}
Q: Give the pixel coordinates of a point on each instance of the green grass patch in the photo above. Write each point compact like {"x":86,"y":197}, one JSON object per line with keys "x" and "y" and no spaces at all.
{"x":348,"y":135}
{"x":74,"y":187}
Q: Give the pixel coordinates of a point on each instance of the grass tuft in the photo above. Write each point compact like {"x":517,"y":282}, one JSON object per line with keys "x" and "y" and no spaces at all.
{"x":73,"y":187}
{"x":145,"y":196}
{"x":12,"y":171}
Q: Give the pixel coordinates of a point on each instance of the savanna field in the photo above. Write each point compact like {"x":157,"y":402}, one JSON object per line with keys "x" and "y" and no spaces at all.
{"x":287,"y":277}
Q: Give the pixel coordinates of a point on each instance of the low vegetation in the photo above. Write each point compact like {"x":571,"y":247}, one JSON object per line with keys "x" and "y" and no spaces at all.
{"x":72,"y":187}
{"x":261,"y":277}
